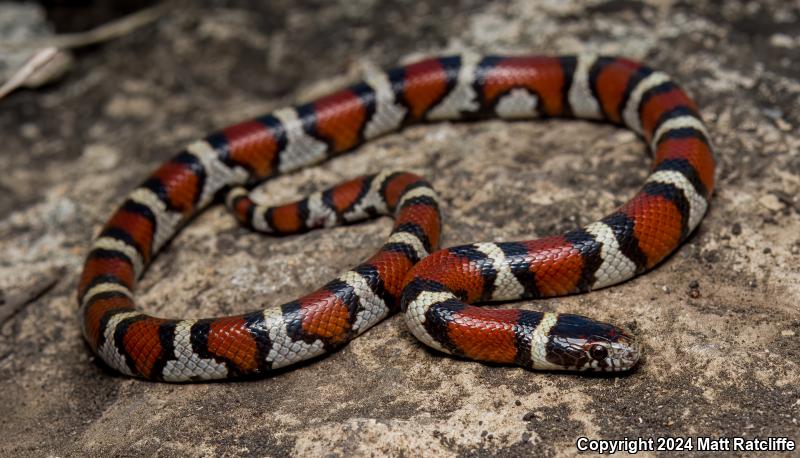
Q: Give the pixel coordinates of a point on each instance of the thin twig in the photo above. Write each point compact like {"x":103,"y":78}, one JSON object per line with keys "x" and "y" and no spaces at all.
{"x":101,"y":33}
{"x":49,"y":57}
{"x":36,"y":62}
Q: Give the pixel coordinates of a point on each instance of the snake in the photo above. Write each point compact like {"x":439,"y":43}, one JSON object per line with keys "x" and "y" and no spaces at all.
{"x":440,"y":292}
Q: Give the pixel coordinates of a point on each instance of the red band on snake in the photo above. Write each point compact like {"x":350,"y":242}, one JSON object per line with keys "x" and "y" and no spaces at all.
{"x":434,"y":289}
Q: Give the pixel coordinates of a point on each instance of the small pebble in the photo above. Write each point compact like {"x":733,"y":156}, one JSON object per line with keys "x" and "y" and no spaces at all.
{"x":771,"y":202}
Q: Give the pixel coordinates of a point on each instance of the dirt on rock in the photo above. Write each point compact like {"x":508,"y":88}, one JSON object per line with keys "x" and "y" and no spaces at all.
{"x":719,"y":319}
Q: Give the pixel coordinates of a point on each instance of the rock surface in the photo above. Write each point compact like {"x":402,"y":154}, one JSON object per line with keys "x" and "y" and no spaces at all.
{"x":719,"y":319}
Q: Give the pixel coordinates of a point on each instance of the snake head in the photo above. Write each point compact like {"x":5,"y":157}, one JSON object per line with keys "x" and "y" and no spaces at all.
{"x":615,"y":354}
{"x":580,"y":343}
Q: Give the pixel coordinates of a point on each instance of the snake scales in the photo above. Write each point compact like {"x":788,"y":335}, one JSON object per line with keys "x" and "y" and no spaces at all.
{"x":434,"y":289}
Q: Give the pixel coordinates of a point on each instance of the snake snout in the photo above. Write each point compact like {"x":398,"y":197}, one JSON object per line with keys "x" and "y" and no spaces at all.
{"x":625,"y":353}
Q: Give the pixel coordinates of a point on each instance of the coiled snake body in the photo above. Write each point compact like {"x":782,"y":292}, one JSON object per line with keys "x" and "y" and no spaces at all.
{"x":432,"y":288}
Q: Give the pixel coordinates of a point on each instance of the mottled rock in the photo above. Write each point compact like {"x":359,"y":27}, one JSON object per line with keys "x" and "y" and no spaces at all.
{"x":720,"y":361}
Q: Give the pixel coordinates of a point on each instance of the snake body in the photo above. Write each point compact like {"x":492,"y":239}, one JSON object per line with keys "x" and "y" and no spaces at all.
{"x":434,"y":289}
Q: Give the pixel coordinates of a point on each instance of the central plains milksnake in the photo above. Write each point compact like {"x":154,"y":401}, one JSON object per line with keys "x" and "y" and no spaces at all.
{"x":432,"y":288}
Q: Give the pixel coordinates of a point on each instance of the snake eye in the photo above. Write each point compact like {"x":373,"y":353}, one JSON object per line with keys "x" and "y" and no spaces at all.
{"x":598,"y":352}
